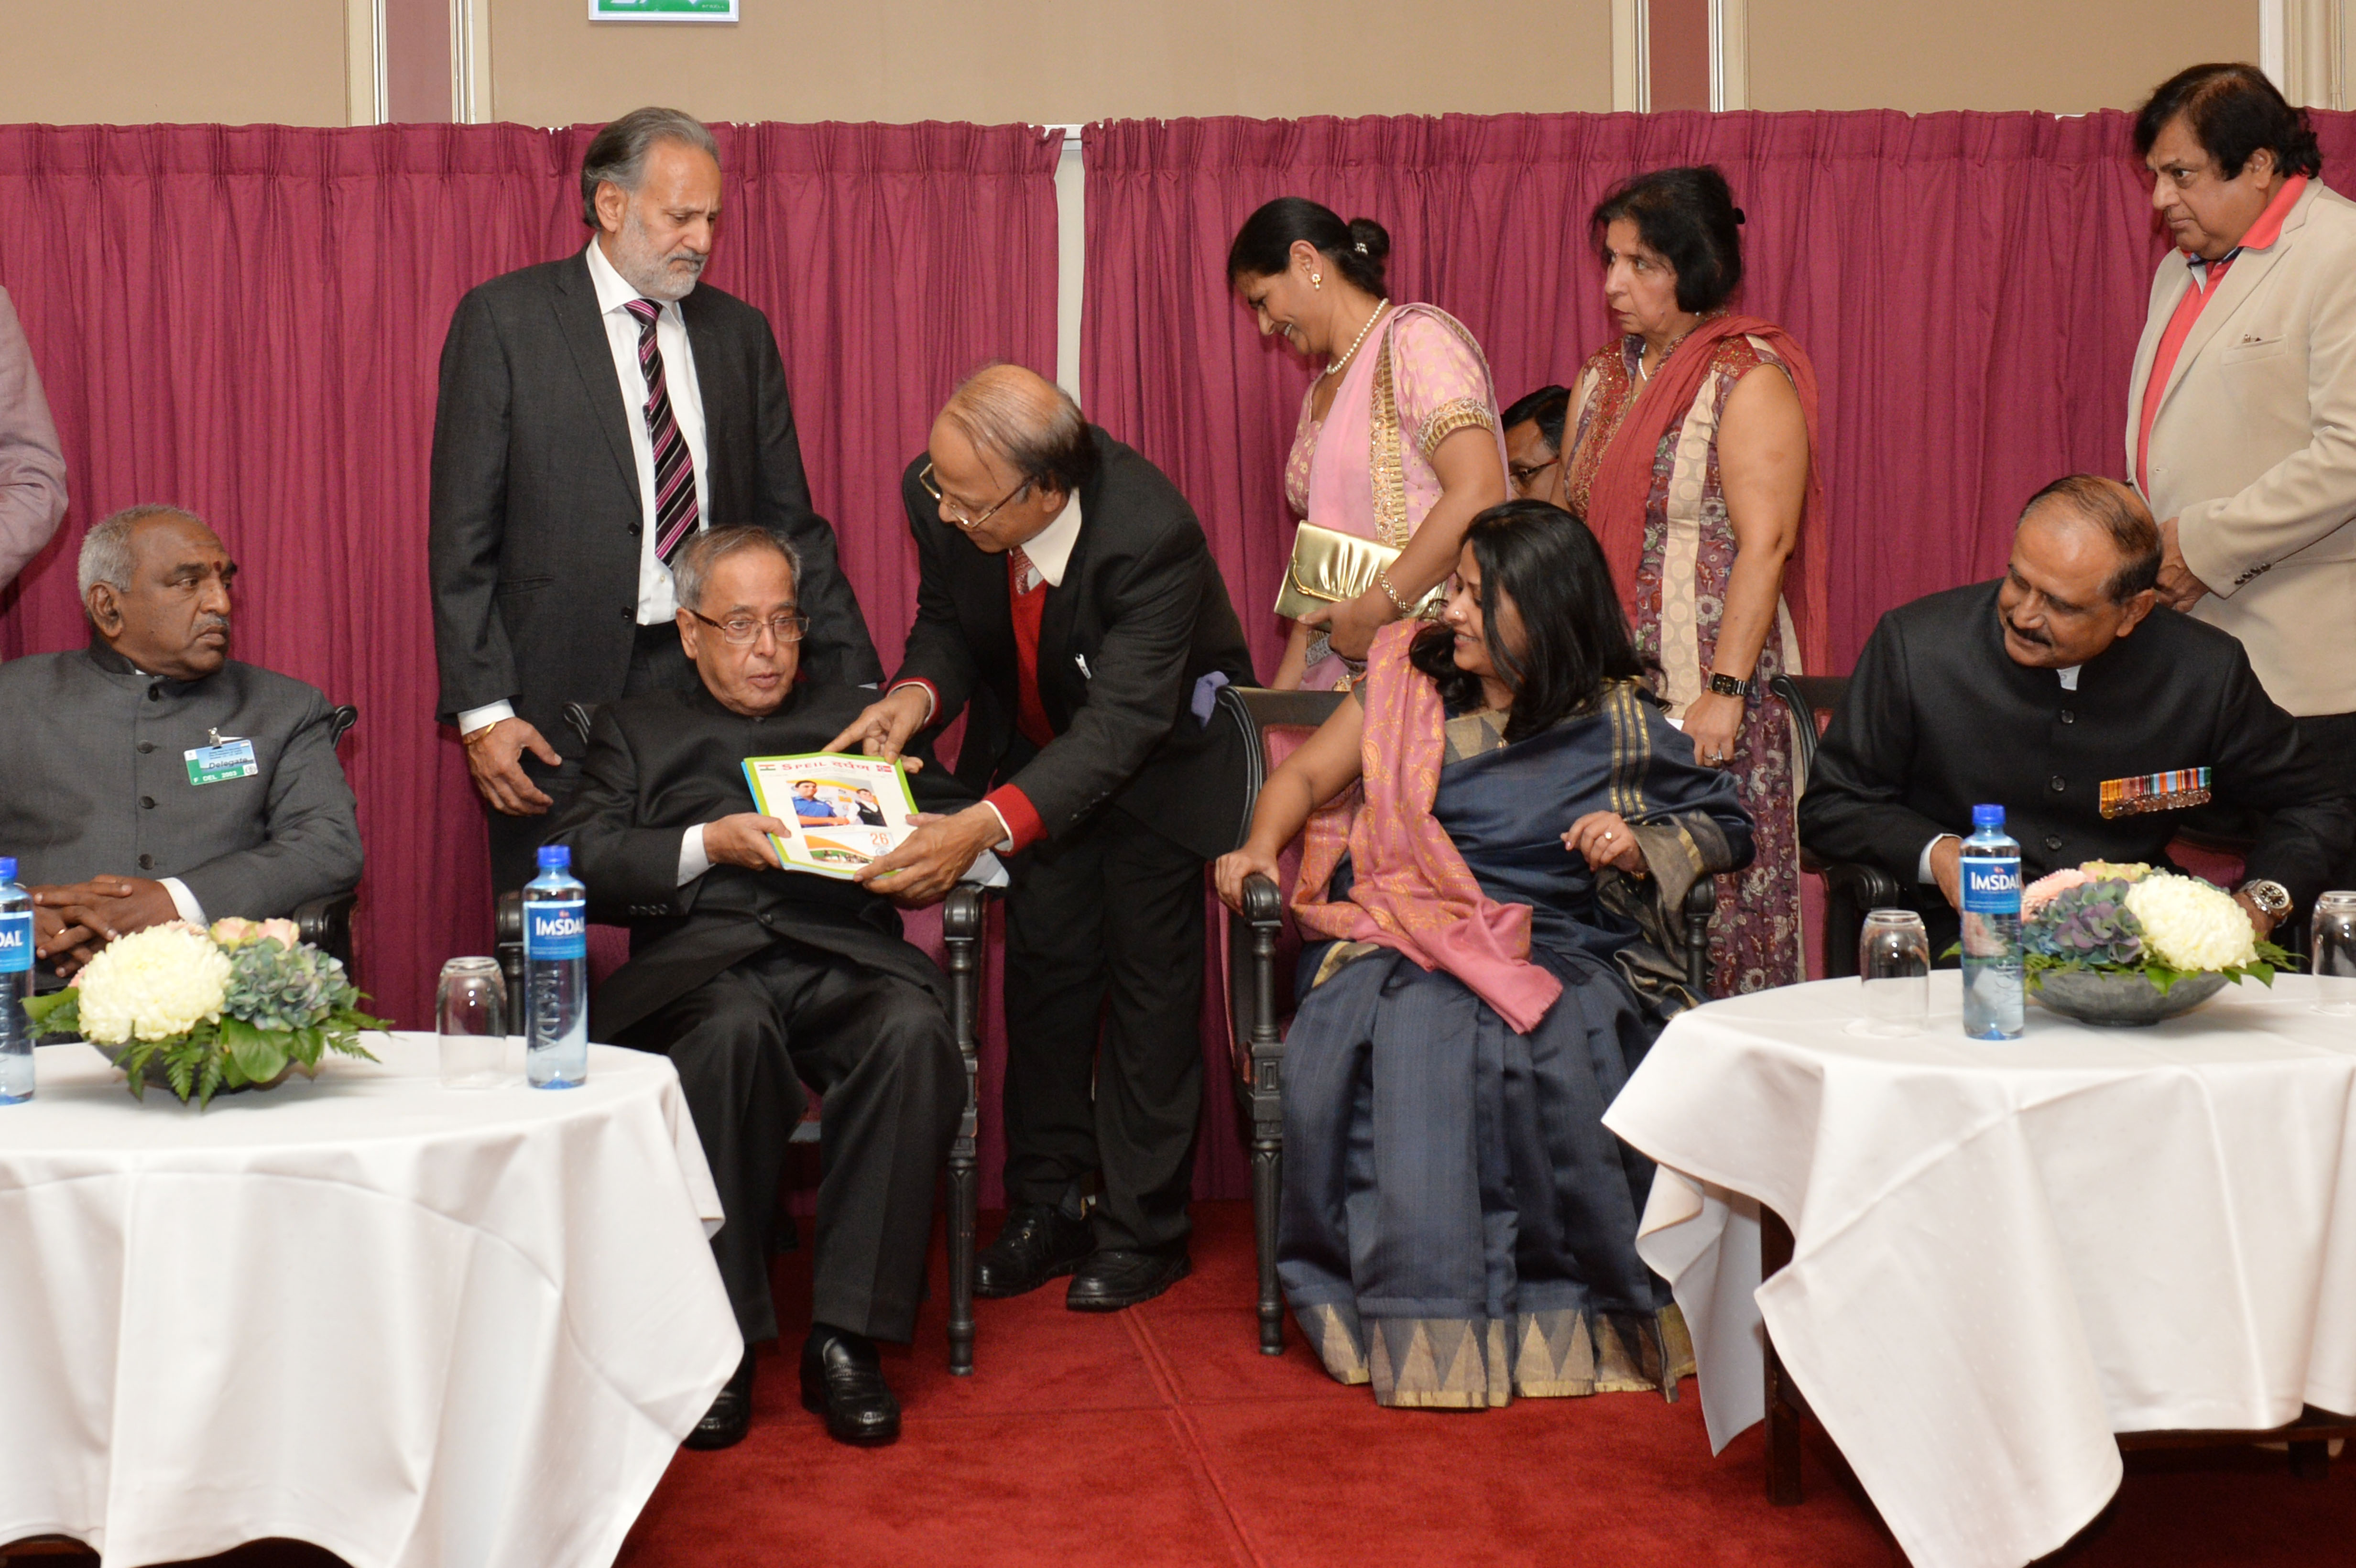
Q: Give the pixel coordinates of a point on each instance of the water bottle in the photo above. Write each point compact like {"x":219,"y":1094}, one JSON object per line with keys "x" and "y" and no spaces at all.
{"x":1991,"y":868}
{"x":15,"y":984}
{"x":555,"y":973}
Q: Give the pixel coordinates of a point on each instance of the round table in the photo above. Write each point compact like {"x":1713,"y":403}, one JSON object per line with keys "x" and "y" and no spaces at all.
{"x":2005,"y":1253}
{"x":414,"y":1326}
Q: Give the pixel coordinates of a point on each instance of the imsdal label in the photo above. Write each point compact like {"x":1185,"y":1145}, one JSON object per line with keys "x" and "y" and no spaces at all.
{"x":555,"y":929}
{"x":1991,"y":886}
{"x":16,"y":942}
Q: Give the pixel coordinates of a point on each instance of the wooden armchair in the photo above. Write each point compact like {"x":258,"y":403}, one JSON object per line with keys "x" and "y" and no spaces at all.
{"x":327,"y":922}
{"x":1851,"y":888}
{"x":1260,"y":950}
{"x":963,"y":921}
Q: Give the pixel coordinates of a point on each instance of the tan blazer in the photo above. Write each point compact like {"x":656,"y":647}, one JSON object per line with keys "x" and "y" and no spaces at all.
{"x":2253,"y":451}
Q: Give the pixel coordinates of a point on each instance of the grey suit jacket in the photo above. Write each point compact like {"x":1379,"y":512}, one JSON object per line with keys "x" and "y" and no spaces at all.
{"x":94,"y":781}
{"x":32,"y":468}
{"x":536,"y":514}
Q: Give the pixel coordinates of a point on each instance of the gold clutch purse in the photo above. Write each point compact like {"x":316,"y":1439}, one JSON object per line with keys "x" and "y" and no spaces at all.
{"x":1331,"y":568}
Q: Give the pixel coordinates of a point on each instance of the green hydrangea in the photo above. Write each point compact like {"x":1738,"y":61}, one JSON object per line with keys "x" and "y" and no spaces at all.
{"x":275,"y":988}
{"x":2089,"y":924}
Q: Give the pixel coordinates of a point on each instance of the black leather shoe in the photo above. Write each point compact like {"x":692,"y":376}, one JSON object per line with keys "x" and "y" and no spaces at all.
{"x":1037,"y":1244}
{"x":731,"y":1416}
{"x":1113,"y":1279}
{"x":843,"y":1379}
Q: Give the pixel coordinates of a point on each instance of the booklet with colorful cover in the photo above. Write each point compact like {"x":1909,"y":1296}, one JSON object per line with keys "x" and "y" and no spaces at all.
{"x":842,"y":811}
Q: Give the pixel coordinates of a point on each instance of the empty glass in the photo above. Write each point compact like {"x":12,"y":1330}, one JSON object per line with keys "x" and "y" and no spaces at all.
{"x":2333,"y":941}
{"x":471,"y":1016}
{"x":1894,"y":968}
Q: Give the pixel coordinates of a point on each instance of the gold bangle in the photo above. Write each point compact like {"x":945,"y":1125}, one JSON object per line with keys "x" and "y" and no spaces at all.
{"x":471,"y":736}
{"x":1383,"y":581}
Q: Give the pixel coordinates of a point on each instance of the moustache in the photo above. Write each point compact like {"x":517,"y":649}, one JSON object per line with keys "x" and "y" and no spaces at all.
{"x":688,"y":259}
{"x":2040,"y":639}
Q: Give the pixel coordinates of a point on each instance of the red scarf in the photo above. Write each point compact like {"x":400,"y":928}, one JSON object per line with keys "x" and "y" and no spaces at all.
{"x":1623,"y":478}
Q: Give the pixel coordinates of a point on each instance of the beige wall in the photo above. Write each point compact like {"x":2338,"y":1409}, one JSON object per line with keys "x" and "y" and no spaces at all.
{"x":2064,"y":56}
{"x":1064,"y":60}
{"x":76,"y":62}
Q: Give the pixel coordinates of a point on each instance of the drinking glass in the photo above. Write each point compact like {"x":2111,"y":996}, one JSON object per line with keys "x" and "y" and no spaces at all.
{"x":2333,"y":940}
{"x":471,"y":1013}
{"x":1893,"y":967}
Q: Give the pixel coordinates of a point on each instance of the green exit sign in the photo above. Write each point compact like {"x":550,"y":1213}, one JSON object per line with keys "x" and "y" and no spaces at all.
{"x":662,"y":10}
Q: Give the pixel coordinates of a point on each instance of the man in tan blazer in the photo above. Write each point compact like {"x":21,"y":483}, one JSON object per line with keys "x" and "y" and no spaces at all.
{"x":2242,"y":410}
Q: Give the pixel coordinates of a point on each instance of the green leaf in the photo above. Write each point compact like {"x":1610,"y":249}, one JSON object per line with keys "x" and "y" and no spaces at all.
{"x":55,"y":1013}
{"x":210,"y":1083}
{"x":180,"y":1073}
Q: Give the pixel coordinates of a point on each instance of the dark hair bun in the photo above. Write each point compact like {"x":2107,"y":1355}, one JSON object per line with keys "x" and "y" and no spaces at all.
{"x":1357,"y":248}
{"x":1370,"y":240}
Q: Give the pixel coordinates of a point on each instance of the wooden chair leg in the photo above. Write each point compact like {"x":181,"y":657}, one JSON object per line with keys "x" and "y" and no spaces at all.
{"x":961,"y":925}
{"x":1267,"y":1188}
{"x":1783,"y":1401}
{"x":1265,"y":1096}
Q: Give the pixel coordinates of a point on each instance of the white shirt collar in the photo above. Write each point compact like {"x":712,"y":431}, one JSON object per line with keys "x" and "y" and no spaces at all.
{"x":2070,"y":677}
{"x":613,"y":291}
{"x":1050,"y":548}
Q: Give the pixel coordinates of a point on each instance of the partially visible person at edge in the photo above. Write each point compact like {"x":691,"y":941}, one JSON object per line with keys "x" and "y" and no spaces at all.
{"x":1407,"y":380}
{"x":1692,"y":459}
{"x":2241,"y":429}
{"x":1534,"y":427}
{"x":1457,"y":1226}
{"x":32,"y":465}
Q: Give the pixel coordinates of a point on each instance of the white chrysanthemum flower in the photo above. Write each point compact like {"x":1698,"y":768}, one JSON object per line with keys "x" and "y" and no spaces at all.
{"x":2189,"y":924}
{"x":152,"y":984}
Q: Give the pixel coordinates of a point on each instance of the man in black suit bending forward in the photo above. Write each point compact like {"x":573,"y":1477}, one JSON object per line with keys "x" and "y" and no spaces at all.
{"x":1069,"y":603}
{"x":769,"y":978}
{"x":2048,"y":690}
{"x":597,"y":413}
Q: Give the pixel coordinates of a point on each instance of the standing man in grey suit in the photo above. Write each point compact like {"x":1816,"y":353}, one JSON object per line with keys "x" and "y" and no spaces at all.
{"x":151,"y":777}
{"x":595,"y":413}
{"x":32,"y":468}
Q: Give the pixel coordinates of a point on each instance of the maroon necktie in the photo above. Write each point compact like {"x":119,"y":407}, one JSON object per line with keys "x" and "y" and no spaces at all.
{"x":675,"y":509}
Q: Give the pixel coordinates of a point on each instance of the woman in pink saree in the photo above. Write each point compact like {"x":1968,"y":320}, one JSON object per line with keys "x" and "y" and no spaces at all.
{"x":1398,"y":439}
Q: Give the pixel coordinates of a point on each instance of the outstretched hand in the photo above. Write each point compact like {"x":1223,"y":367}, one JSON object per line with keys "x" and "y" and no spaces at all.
{"x":929,"y":861}
{"x":882,"y":729}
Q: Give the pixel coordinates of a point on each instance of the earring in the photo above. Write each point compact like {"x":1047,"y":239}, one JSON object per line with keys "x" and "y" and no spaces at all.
{"x":1316,"y":280}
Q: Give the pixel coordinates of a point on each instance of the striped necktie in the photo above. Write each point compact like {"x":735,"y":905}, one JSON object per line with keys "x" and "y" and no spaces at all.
{"x":676,"y":514}
{"x":1027,"y":575}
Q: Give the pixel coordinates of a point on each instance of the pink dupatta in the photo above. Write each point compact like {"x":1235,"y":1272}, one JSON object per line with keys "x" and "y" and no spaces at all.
{"x":1410,"y":890}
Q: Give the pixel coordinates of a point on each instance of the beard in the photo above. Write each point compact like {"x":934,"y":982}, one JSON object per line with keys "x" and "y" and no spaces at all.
{"x":653,"y":272}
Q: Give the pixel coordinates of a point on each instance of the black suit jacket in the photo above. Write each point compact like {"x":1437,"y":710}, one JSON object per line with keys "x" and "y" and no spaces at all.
{"x":1140,"y":616}
{"x":1939,"y":719}
{"x":536,"y":515}
{"x":663,"y":762}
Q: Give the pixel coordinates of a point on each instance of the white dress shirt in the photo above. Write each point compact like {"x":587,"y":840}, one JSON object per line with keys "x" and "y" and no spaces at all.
{"x":657,"y":603}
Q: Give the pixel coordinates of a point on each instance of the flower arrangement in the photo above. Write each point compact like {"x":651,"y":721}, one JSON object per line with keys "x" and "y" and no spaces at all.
{"x":2131,"y":919}
{"x":235,"y":1007}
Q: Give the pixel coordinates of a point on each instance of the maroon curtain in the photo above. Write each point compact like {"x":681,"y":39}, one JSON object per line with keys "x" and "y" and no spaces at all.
{"x":247,"y":323}
{"x":1971,"y":287}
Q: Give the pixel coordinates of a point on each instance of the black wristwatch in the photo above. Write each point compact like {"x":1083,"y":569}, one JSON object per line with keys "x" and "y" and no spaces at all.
{"x":1726,"y":686}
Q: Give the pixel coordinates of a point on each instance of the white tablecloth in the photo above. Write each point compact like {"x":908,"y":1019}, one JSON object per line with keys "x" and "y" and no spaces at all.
{"x":2004,"y":1253}
{"x":418,"y":1326}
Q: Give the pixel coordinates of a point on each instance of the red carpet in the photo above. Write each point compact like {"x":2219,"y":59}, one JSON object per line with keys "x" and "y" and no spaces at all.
{"x":1161,"y":1436}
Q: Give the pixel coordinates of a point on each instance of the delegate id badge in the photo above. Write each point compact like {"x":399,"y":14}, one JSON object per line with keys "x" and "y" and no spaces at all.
{"x":231,"y":758}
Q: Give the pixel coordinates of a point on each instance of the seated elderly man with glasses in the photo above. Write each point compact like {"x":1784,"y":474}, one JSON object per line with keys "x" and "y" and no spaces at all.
{"x":771,"y":978}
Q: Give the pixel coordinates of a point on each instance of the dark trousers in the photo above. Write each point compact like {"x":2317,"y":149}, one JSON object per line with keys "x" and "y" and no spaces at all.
{"x":1104,"y":1052}
{"x":880,"y":1051}
{"x":658,"y":663}
{"x":2333,"y":735}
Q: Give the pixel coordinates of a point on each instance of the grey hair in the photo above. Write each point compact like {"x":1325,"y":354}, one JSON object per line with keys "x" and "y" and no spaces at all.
{"x":691,"y":568}
{"x":618,"y":153}
{"x":106,"y":549}
{"x":1028,"y":421}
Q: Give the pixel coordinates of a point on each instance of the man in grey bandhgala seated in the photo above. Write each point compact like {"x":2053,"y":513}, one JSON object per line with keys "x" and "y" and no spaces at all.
{"x":2098,"y":718}
{"x":770,"y":978}
{"x":149,"y":776}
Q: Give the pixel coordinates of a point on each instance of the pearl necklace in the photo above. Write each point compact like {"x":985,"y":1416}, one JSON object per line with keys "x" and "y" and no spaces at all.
{"x":1355,"y":341}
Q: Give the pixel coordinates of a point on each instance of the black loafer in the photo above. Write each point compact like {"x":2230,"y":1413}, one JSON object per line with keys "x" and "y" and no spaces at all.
{"x":1113,"y":1279}
{"x":843,"y":1379}
{"x":1037,"y":1244}
{"x":731,"y":1416}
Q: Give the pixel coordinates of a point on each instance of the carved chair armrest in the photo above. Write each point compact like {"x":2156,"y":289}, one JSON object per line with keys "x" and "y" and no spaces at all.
{"x":1701,"y":903}
{"x":326,"y":924}
{"x":1851,"y":888}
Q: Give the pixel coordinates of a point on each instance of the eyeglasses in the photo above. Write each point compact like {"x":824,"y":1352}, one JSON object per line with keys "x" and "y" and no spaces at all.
{"x":743,"y":631}
{"x":956,"y":513}
{"x":1521,"y":474}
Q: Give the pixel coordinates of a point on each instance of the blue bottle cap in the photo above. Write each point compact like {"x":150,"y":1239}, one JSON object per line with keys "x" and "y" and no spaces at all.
{"x":1982,"y":817}
{"x":559,"y":856}
{"x":7,"y":868}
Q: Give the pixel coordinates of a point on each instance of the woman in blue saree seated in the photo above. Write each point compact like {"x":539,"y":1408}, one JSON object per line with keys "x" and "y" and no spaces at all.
{"x":1495,"y":898}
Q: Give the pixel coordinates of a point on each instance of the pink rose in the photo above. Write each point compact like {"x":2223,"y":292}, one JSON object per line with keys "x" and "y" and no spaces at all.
{"x":285,"y":932}
{"x":233,"y":930}
{"x":2047,"y":887}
